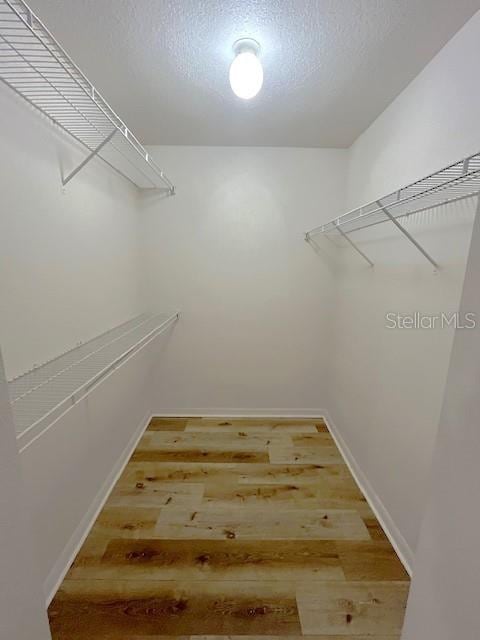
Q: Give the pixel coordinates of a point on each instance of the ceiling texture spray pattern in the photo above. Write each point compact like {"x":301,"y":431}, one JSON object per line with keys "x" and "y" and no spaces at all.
{"x":331,"y":66}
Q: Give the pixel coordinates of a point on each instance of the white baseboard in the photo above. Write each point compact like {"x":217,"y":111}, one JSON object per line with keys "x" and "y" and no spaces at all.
{"x":237,"y":413}
{"x":62,"y":565}
{"x":392,"y":532}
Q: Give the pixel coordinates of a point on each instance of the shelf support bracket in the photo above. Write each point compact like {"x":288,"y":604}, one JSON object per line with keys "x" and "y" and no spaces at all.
{"x":90,"y":156}
{"x":408,"y":235}
{"x":352,"y":244}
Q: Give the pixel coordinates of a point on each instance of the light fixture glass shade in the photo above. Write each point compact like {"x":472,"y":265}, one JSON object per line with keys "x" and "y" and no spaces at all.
{"x":246,"y":75}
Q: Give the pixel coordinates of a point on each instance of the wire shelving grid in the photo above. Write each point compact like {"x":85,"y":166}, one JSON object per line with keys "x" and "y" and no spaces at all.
{"x":453,"y":183}
{"x":43,"y":393}
{"x":34,"y":65}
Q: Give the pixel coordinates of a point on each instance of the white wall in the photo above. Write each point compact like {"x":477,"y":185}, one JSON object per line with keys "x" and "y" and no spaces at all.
{"x":69,"y":270}
{"x":22,"y":606}
{"x":255,"y":299}
{"x":386,"y":386}
{"x":431,"y":124}
{"x":443,"y":601}
{"x":68,"y":261}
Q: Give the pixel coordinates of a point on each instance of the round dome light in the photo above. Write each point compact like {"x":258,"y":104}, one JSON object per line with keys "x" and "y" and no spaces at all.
{"x":246,"y":71}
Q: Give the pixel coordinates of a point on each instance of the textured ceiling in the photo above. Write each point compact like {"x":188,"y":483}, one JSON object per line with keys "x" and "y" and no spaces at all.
{"x":331,"y":66}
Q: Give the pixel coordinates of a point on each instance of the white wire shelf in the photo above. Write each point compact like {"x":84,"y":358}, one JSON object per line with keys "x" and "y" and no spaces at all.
{"x":453,"y":183}
{"x":42,"y":394}
{"x":34,"y":65}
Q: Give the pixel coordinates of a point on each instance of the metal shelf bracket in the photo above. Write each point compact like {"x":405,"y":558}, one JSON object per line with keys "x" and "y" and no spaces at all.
{"x":352,"y":244}
{"x":408,"y":235}
{"x":90,"y":156}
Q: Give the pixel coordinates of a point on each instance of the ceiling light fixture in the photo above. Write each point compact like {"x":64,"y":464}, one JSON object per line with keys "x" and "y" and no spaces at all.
{"x":246,"y":71}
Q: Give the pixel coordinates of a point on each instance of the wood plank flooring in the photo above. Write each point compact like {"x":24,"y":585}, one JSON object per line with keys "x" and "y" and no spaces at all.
{"x":234,"y":528}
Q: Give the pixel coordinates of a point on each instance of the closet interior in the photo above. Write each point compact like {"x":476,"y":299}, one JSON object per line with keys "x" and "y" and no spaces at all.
{"x":228,"y":407}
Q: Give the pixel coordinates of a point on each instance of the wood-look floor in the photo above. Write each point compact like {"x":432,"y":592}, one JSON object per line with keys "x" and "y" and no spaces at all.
{"x":234,"y":528}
